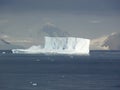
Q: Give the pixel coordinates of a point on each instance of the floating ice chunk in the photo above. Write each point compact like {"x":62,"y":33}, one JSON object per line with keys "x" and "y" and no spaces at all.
{"x":34,"y":84}
{"x":3,"y":52}
{"x":59,"y":45}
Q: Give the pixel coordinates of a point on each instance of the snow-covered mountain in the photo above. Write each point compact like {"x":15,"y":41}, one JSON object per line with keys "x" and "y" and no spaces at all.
{"x":5,"y":45}
{"x":98,"y":43}
{"x":109,"y":42}
{"x":113,"y":41}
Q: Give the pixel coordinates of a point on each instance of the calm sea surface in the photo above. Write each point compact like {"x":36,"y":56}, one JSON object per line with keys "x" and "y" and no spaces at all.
{"x":99,"y":71}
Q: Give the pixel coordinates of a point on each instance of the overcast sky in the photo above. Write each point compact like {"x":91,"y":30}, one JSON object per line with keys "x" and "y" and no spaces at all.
{"x":81,"y":18}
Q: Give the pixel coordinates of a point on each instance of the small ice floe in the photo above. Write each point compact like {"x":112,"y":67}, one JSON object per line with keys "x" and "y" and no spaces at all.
{"x":33,"y":83}
{"x":3,"y":52}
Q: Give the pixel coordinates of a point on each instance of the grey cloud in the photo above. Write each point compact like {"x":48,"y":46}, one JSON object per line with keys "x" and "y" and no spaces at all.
{"x":61,"y":5}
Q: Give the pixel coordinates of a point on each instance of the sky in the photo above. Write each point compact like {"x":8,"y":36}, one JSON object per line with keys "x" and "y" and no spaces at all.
{"x":80,"y":18}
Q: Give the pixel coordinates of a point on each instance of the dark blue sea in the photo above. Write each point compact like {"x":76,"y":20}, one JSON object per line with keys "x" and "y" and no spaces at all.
{"x":99,"y":71}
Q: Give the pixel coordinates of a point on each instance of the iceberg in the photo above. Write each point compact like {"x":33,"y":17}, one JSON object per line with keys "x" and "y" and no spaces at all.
{"x":59,"y":45}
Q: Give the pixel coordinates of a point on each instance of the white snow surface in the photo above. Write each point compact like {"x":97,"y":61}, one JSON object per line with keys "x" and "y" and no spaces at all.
{"x":59,"y":45}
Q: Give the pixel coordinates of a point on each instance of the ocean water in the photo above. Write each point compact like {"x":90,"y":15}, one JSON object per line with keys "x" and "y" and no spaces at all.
{"x":99,"y":71}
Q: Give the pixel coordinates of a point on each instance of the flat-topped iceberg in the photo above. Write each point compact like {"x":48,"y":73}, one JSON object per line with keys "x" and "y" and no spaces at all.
{"x":59,"y":45}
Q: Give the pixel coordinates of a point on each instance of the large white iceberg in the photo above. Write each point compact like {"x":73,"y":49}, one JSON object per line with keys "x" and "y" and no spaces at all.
{"x":59,"y":45}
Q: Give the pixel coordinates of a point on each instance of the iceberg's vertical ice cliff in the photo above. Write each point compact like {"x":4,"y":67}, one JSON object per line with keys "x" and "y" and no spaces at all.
{"x":60,"y":45}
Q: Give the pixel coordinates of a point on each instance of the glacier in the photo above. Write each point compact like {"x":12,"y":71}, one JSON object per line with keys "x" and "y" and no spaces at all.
{"x":59,"y":45}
